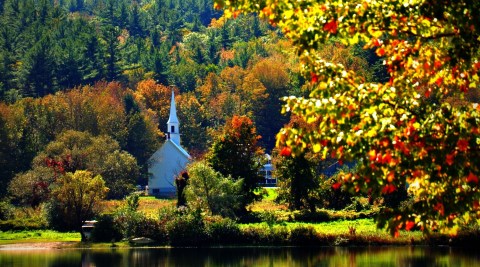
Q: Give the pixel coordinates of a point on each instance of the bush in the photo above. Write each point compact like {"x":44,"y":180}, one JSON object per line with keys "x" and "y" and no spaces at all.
{"x":6,"y":210}
{"x":359,"y":204}
{"x":106,"y":230}
{"x":318,"y":216}
{"x":135,"y":224}
{"x":22,"y":224}
{"x":210,"y":191}
{"x":187,"y":229}
{"x":256,"y":235}
{"x":222,"y":231}
{"x":303,"y":236}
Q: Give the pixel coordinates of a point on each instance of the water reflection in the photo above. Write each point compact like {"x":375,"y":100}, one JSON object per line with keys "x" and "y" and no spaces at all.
{"x":320,"y":256}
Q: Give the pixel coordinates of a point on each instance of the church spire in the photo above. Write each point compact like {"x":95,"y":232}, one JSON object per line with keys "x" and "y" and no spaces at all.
{"x":172,"y":123}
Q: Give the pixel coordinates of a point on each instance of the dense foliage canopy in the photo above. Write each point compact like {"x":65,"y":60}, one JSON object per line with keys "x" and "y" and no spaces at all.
{"x":417,"y":129}
{"x":236,"y":153}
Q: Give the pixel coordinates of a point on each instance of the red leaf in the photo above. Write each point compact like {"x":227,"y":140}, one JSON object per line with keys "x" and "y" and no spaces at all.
{"x":472,"y":178}
{"x":439,"y":207}
{"x":336,"y":186}
{"x":428,"y":92}
{"x":313,"y":77}
{"x":388,"y":189}
{"x":439,"y":81}
{"x":477,"y":65}
{"x":462,"y":145}
{"x":391,"y":177}
{"x":387,"y":158}
{"x":286,"y":152}
{"x":331,"y":26}
{"x":417,"y":173}
{"x":409,"y":225}
{"x":236,"y":13}
{"x":380,"y":52}
{"x":385,"y":142}
{"x":449,"y":159}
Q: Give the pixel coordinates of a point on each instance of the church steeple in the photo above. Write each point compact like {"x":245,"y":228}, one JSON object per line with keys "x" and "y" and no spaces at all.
{"x":172,"y":123}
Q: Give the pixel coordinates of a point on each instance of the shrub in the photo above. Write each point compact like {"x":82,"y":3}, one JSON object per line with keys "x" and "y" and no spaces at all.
{"x":6,"y":210}
{"x":303,"y":236}
{"x":210,"y":191}
{"x":359,"y":204}
{"x":222,"y":231}
{"x":187,"y":229}
{"x":318,"y":216}
{"x":20,"y":224}
{"x":133,"y":224}
{"x":252,"y":235}
{"x":106,"y":230}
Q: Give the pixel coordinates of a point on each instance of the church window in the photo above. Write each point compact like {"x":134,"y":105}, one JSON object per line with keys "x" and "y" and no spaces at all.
{"x":172,"y":129}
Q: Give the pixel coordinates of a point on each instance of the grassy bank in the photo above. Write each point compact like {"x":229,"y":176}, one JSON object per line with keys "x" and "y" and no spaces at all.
{"x":270,"y":224}
{"x":26,"y":236}
{"x":357,"y":232}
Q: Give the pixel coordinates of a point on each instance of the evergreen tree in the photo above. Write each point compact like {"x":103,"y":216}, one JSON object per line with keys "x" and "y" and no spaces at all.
{"x":39,"y":69}
{"x":92,"y":65}
{"x":135,"y":25}
{"x":112,"y":53}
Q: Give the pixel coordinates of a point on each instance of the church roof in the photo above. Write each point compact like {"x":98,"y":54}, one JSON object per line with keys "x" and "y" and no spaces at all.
{"x":173,"y":111}
{"x":179,"y":148}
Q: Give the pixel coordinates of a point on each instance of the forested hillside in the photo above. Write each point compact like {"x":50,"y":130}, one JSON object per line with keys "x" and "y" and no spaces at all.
{"x":107,"y":67}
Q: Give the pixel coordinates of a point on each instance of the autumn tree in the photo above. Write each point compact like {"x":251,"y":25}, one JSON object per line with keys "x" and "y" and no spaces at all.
{"x":397,"y":134}
{"x":72,"y":151}
{"x":193,"y":127}
{"x":235,"y":152}
{"x":75,"y":199}
{"x":272,"y":73}
{"x":155,"y":97}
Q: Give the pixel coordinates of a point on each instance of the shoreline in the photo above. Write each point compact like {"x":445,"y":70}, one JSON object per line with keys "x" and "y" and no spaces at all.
{"x":39,"y":245}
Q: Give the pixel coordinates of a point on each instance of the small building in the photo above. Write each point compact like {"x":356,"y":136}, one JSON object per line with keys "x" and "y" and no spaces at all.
{"x":87,"y":229}
{"x":267,"y":173}
{"x":169,"y":160}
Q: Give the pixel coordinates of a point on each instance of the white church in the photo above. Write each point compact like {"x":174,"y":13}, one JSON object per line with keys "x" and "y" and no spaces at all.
{"x":169,"y":160}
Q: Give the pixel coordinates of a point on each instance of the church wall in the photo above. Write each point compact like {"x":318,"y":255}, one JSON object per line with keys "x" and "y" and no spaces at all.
{"x":165,"y":165}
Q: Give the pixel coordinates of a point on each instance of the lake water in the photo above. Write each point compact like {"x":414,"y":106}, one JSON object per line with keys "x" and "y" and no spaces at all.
{"x":319,"y":256}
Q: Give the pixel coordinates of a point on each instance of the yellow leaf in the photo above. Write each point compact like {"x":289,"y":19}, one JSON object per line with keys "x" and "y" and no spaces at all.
{"x":288,"y":13}
{"x":316,"y":148}
{"x":354,"y":39}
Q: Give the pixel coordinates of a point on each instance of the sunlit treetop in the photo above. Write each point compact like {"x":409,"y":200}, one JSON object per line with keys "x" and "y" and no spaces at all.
{"x":403,"y":132}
